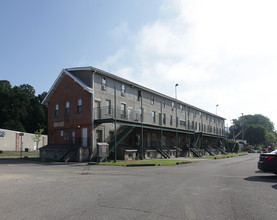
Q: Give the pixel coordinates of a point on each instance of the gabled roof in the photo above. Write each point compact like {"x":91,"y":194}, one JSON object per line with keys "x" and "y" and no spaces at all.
{"x":57,"y":82}
{"x":82,"y":75}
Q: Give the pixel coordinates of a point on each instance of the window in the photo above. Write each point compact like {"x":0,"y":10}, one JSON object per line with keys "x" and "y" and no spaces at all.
{"x":154,"y":117}
{"x":141,"y":113}
{"x":56,"y":110}
{"x":108,"y":107}
{"x":61,"y":133}
{"x":79,"y":106}
{"x":67,"y":108}
{"x":182,"y":123}
{"x":104,"y":83}
{"x":171,"y":120}
{"x":164,"y":118}
{"x":139,"y":95}
{"x":181,"y":108}
{"x":163,"y":103}
{"x":66,"y":135}
{"x":123,"y":89}
{"x":123,"y":110}
{"x":172,"y":106}
{"x":73,"y":140}
{"x":152,"y":100}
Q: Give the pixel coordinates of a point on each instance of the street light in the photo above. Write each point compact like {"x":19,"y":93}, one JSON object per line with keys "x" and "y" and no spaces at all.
{"x":176,"y":119}
{"x":242,"y":134}
{"x":216,"y":109}
{"x":176,"y":90}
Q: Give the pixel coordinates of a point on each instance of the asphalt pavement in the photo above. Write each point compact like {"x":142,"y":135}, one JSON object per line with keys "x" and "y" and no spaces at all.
{"x":222,"y":189}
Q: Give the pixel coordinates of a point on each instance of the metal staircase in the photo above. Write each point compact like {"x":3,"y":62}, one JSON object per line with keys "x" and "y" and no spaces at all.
{"x":195,"y":152}
{"x":209,"y":150}
{"x":162,"y":152}
{"x":120,"y":136}
{"x":70,"y":154}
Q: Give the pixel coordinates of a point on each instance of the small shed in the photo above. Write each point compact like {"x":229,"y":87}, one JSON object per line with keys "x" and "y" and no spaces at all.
{"x":127,"y":153}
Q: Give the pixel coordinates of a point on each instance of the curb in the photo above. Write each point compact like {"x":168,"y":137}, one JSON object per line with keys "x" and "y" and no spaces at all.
{"x":178,"y":163}
{"x":140,"y":165}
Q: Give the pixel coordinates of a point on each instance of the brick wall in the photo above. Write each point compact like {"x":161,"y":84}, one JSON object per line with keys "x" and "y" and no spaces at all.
{"x":62,"y":126}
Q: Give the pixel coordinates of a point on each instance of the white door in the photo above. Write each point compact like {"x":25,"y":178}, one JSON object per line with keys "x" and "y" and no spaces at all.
{"x":84,"y":137}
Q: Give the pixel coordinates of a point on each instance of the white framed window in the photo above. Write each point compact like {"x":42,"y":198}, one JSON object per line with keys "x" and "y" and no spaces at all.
{"x":104,"y":83}
{"x":154,"y":117}
{"x":67,"y":104}
{"x":79,"y":105}
{"x":108,"y":107}
{"x":123,"y":110}
{"x":123,"y":89}
{"x":152,"y":100}
{"x":56,"y":110}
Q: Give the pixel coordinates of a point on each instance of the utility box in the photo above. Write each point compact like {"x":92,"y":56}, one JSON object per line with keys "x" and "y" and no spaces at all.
{"x":102,"y":150}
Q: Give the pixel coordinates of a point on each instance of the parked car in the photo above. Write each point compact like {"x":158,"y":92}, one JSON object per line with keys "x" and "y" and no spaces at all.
{"x":268,"y":162}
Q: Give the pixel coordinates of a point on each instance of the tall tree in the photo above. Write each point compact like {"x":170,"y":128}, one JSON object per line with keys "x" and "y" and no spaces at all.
{"x":257,"y":129}
{"x":20,"y":109}
{"x":255,"y":134}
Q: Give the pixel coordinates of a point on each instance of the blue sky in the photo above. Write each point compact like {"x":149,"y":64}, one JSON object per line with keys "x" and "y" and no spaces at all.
{"x":219,"y":52}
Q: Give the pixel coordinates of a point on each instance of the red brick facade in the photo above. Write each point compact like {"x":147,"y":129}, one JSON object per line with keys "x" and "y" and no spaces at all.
{"x":63,"y":125}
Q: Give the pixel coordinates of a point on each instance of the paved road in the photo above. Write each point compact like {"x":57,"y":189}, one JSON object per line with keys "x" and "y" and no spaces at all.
{"x":212,"y":189}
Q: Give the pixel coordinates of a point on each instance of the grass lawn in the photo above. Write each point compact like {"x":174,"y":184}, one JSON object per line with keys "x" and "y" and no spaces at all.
{"x":157,"y":162}
{"x":166,"y":162}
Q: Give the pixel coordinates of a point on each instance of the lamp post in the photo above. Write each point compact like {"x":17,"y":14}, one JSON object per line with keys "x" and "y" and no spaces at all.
{"x":176,"y":141}
{"x":216,"y":109}
{"x":242,"y":122}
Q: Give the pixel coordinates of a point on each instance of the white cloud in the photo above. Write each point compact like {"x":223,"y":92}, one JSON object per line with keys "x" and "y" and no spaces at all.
{"x":220,"y":52}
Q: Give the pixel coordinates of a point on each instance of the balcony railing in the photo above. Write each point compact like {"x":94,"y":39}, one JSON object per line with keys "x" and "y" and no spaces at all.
{"x":131,"y":115}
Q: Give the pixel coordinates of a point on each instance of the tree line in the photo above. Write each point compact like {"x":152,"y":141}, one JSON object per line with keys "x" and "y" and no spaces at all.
{"x":21,"y":109}
{"x":257,"y":129}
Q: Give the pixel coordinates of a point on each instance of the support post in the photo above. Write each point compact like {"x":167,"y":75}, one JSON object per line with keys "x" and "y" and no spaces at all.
{"x":115,"y":141}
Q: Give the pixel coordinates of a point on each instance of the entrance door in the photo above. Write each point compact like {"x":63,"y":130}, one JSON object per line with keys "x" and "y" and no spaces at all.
{"x":84,"y":137}
{"x":97,"y":110}
{"x":148,"y":140}
{"x":99,"y":136}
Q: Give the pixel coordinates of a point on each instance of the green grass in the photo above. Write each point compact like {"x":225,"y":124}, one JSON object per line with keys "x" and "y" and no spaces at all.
{"x":220,"y":156}
{"x":163,"y":162}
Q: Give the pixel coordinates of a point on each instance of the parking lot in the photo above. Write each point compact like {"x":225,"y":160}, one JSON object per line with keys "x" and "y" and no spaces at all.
{"x":210,"y":189}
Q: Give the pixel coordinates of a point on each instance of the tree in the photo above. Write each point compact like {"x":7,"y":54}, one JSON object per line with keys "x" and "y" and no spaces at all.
{"x":37,"y":137}
{"x":20,"y":109}
{"x":255,"y":134}
{"x":257,"y":129}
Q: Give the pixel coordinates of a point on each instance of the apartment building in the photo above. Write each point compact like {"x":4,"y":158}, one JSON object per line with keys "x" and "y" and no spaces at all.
{"x":88,"y":106}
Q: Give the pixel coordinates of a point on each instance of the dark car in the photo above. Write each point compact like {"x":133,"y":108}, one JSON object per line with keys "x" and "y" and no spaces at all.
{"x":268,"y":162}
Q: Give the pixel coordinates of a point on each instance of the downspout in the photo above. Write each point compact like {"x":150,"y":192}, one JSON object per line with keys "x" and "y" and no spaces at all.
{"x":92,"y":117}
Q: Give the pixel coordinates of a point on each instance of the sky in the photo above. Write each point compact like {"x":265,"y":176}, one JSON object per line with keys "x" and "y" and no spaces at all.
{"x":220,"y":52}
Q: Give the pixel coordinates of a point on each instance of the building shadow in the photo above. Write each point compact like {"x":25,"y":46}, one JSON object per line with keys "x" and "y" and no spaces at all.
{"x":16,"y":161}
